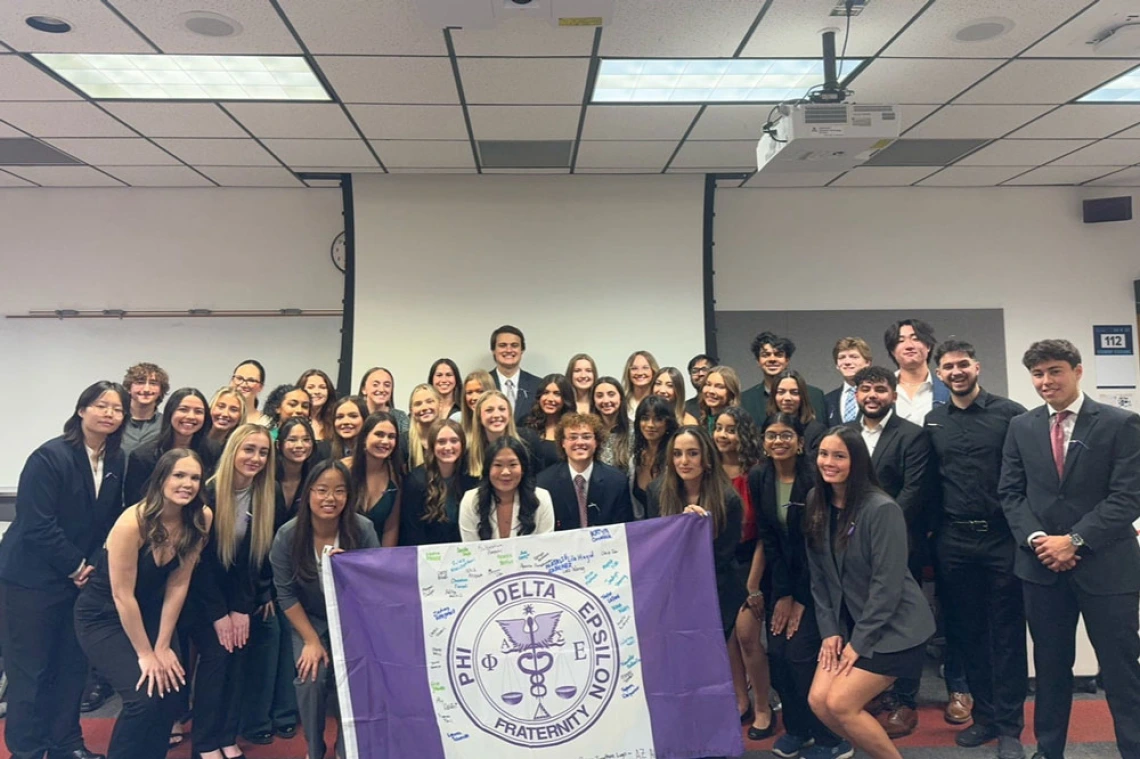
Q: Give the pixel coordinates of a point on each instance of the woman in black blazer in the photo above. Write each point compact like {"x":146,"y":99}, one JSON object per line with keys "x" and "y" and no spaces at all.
{"x":539,"y":430}
{"x":872,"y":616}
{"x":429,"y":508}
{"x":185,"y":424}
{"x":232,"y":584}
{"x":70,"y":493}
{"x":791,"y":397}
{"x":779,"y":485}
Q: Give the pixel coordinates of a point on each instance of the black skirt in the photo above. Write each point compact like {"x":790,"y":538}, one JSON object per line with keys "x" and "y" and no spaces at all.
{"x":905,"y":664}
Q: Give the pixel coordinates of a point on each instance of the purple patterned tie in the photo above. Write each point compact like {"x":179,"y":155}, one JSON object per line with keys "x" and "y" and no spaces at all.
{"x":580,"y":488}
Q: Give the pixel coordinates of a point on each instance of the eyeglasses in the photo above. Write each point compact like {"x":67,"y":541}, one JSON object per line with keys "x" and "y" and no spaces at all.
{"x":103,"y":408}
{"x":783,"y":437}
{"x":245,"y":380}
{"x":585,"y":437}
{"x":323,"y":492}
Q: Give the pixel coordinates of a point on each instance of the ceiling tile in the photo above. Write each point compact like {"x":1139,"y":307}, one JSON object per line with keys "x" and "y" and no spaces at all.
{"x":731,"y":122}
{"x":115,"y":151}
{"x":524,"y":122}
{"x":526,"y":171}
{"x":1129,"y":134}
{"x":638,"y":122}
{"x":20,"y":80}
{"x":391,"y":80}
{"x":976,"y":120}
{"x":67,"y":176}
{"x":425,"y":153}
{"x":671,"y":29}
{"x":159,"y":176}
{"x":646,"y":155}
{"x":721,"y":154}
{"x":971,"y":176}
{"x":882,"y":176}
{"x":410,"y":122}
{"x":262,"y":31}
{"x":11,"y":180}
{"x":1105,"y":153}
{"x":95,"y":29}
{"x":530,"y":81}
{"x":1021,"y":152}
{"x":431,"y":171}
{"x":1071,"y":40}
{"x":912,"y":80}
{"x":1087,"y":120}
{"x":594,"y":170}
{"x":325,"y":153}
{"x":792,"y":29}
{"x":241,"y":176}
{"x":1061,"y":175}
{"x":391,"y":27}
{"x":177,"y":119}
{"x":7,"y":131}
{"x":790,"y":179}
{"x":317,"y":120}
{"x":932,"y":35}
{"x":1040,"y":81}
{"x":529,"y":37}
{"x":62,"y":120}
{"x":219,"y":152}
{"x":1127,"y":178}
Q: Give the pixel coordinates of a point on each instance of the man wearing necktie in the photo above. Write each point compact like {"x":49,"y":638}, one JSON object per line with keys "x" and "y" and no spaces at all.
{"x":851,"y":354}
{"x":585,"y":491}
{"x":521,"y":388}
{"x":1070,"y":489}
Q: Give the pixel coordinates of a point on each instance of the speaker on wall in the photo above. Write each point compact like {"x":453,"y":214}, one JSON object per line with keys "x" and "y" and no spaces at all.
{"x":1108,"y":209}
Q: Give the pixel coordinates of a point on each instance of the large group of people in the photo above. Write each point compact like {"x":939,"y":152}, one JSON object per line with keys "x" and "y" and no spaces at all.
{"x":173,"y":557}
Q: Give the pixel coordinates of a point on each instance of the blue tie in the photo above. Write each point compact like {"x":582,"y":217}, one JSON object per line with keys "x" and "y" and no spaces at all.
{"x":850,"y":409}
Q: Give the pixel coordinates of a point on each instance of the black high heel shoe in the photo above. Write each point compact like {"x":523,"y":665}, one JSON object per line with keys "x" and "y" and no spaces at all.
{"x":758,"y":734}
{"x":748,"y":715}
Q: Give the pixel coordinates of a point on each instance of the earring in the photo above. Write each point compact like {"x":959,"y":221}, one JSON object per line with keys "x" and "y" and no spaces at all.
{"x":799,"y":450}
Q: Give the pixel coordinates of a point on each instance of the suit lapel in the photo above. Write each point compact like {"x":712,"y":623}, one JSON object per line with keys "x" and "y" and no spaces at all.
{"x":84,"y":464}
{"x":890,"y":430}
{"x":1086,"y":420}
{"x":569,"y":496}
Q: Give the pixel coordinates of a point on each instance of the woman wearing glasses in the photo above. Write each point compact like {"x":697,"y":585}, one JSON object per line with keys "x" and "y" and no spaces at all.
{"x":248,"y":379}
{"x":70,"y":493}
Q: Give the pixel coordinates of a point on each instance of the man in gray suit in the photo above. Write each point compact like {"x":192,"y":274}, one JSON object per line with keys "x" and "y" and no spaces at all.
{"x":1070,"y":489}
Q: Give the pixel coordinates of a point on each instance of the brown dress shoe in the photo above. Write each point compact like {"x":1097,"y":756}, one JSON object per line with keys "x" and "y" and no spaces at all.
{"x":960,"y":709}
{"x":899,"y":722}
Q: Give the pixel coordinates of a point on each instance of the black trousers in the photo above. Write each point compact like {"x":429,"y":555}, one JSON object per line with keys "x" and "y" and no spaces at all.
{"x":142,"y":730}
{"x":1112,"y":625}
{"x":46,"y":669}
{"x":983,"y":613}
{"x":792,"y":665}
{"x":217,"y":690}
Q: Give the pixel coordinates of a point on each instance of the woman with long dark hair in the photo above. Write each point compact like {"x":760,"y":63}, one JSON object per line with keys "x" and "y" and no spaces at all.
{"x":429,"y":498}
{"x":322,"y":397}
{"x":506,"y":503}
{"x":185,"y":424}
{"x":376,"y":473}
{"x":554,"y":399}
{"x":653,"y":427}
{"x":348,"y":419}
{"x":285,"y":402}
{"x":444,"y":377}
{"x":126,"y":615}
{"x":737,"y":443}
{"x":70,"y":493}
{"x":872,"y":617}
{"x":669,"y":384}
{"x":296,"y":450}
{"x":609,"y":405}
{"x":790,"y":396}
{"x":326,"y":524}
{"x":582,"y":373}
{"x":779,"y":487}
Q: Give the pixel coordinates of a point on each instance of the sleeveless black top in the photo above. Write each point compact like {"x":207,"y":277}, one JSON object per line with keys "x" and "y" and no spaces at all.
{"x":95,"y":607}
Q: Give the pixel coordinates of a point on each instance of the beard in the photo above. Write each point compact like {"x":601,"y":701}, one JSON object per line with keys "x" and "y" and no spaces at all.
{"x":878,"y":413}
{"x":969,"y":389}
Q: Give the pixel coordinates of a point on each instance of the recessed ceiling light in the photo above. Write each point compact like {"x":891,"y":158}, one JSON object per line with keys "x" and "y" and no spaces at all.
{"x":188,"y":77}
{"x":49,"y":24}
{"x":1123,"y":89}
{"x":984,"y":30}
{"x":735,"y":80}
{"x":207,"y":24}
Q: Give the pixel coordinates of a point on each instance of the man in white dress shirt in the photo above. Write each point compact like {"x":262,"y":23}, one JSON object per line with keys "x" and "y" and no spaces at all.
{"x":521,"y":388}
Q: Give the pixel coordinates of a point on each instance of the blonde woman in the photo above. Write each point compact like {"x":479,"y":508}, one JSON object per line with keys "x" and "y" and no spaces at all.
{"x":721,"y":390}
{"x":227,"y":410}
{"x":232,"y":585}
{"x":637,"y":379}
{"x":425,"y":406}
{"x":582,"y":373}
{"x":670,"y":385}
{"x":491,"y":420}
{"x":474,"y":385}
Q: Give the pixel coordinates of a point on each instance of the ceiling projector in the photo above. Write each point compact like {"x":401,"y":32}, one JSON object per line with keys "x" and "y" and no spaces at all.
{"x":830,"y":137}
{"x":485,"y":14}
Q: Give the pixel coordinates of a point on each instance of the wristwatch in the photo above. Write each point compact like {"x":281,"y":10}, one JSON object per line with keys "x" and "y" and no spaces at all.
{"x":1078,"y":541}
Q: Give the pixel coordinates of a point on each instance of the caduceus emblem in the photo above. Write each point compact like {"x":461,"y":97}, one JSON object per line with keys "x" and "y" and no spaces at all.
{"x":531,"y":638}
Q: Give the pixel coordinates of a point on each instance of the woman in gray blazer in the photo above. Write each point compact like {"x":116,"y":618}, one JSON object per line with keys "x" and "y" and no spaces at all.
{"x":872,"y":617}
{"x":323,"y":521}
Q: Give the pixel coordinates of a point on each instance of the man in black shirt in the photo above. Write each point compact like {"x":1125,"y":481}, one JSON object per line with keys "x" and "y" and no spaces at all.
{"x":981,"y":597}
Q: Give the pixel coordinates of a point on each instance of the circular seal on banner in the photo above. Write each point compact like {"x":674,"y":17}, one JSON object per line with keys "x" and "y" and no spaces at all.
{"x":533,"y":659}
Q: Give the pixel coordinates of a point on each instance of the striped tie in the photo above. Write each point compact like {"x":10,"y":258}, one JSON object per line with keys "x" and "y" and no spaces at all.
{"x":850,"y":409}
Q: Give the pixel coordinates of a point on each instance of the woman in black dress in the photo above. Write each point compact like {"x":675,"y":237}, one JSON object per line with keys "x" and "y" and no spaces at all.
{"x":555,"y":398}
{"x":125,"y":617}
{"x":429,"y":500}
{"x":376,"y":473}
{"x":653,"y":428}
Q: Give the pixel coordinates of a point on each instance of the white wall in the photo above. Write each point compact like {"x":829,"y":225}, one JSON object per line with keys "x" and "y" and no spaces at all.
{"x":157,"y":249}
{"x":1025,"y":250}
{"x":601,"y":265}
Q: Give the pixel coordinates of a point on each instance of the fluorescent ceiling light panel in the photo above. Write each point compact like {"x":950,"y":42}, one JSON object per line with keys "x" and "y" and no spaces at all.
{"x":734,"y":80}
{"x":1123,"y":89}
{"x":188,"y":77}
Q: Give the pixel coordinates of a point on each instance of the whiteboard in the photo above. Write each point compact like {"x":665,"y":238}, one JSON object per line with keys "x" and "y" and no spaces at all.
{"x":48,"y":363}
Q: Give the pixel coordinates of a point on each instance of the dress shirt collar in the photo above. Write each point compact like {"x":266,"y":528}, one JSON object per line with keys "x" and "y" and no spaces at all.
{"x":587,"y":474}
{"x":981,"y":401}
{"x":1074,"y":407}
{"x":875,"y":430}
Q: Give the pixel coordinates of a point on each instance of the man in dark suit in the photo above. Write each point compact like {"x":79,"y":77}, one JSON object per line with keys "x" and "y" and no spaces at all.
{"x":899,"y":452}
{"x":850,"y":355}
{"x":520,"y":387}
{"x":1070,"y":488}
{"x":586,"y":492}
{"x":774,"y":353}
